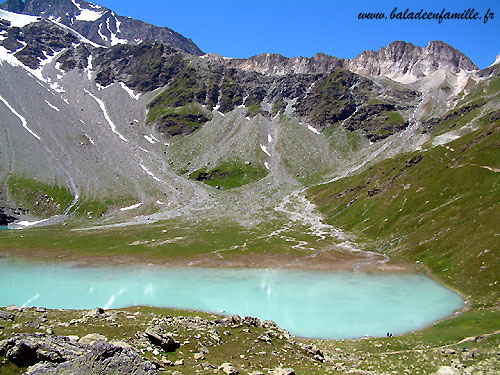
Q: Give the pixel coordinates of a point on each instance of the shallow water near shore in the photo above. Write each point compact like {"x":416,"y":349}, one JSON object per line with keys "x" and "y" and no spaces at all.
{"x":316,"y":304}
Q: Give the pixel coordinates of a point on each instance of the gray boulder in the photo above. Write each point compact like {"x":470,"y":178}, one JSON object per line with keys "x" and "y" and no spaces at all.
{"x":103,"y":358}
{"x":26,"y":350}
{"x":158,"y":337}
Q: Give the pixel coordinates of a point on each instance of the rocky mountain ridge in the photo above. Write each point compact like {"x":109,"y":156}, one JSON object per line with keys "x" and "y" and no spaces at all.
{"x":99,"y":24}
{"x":401,"y":61}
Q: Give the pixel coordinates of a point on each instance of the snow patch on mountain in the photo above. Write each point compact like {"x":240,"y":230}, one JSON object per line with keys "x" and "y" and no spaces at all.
{"x":131,"y":207}
{"x":149,"y":139}
{"x":86,"y":14}
{"x":314,"y":130}
{"x":6,"y":56}
{"x":149,"y":173}
{"x":114,"y":39}
{"x":264,"y":148}
{"x":52,"y":106}
{"x":497,"y":61}
{"x":99,"y":31}
{"x":130,"y":91}
{"x":17,"y":20}
{"x":79,"y":36}
{"x":23,"y":120}
{"x":89,"y":15}
{"x":106,"y":115}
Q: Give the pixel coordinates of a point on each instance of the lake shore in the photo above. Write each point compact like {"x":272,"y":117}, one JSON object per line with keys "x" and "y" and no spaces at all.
{"x":324,"y":260}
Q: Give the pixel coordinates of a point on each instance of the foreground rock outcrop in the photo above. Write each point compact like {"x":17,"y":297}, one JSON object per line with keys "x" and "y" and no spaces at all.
{"x":102,"y":358}
{"x":142,"y":340}
{"x":50,"y":354}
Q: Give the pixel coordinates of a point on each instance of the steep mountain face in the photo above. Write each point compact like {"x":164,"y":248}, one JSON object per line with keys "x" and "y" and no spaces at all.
{"x":406,"y":63}
{"x":99,"y":24}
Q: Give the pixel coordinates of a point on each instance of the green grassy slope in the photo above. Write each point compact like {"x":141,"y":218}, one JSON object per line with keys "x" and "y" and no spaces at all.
{"x":438,"y":207}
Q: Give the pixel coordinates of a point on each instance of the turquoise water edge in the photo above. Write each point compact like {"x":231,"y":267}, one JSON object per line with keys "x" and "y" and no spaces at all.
{"x":316,"y":304}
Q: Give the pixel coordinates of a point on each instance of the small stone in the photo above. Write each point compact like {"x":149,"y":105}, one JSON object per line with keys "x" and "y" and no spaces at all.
{"x":319,"y":358}
{"x":283,"y":371}
{"x":228,"y":368}
{"x":13,"y":308}
{"x":198,"y":356}
{"x":91,"y":338}
{"x":236,"y":319}
{"x":264,"y":338}
{"x":166,"y":362}
{"x":121,"y":344}
{"x":94,"y":313}
{"x":179,"y":362}
{"x":446,"y":370}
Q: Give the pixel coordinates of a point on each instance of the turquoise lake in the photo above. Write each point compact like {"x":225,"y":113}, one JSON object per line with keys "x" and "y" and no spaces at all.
{"x":316,"y":304}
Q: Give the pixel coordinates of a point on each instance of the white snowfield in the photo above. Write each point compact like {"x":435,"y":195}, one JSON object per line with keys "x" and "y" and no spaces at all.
{"x":17,"y":20}
{"x":87,"y":14}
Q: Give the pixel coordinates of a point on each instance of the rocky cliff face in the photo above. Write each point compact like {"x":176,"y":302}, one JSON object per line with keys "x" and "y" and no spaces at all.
{"x":275,"y":64}
{"x":99,"y":24}
{"x":406,"y":63}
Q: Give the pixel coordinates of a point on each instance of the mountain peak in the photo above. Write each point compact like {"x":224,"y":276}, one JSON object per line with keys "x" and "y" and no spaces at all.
{"x":16,"y":6}
{"x":497,"y":61}
{"x":406,"y":63}
{"x":99,"y":24}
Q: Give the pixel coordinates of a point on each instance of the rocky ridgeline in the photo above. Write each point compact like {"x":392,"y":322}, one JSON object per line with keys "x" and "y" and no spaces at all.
{"x":400,"y":60}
